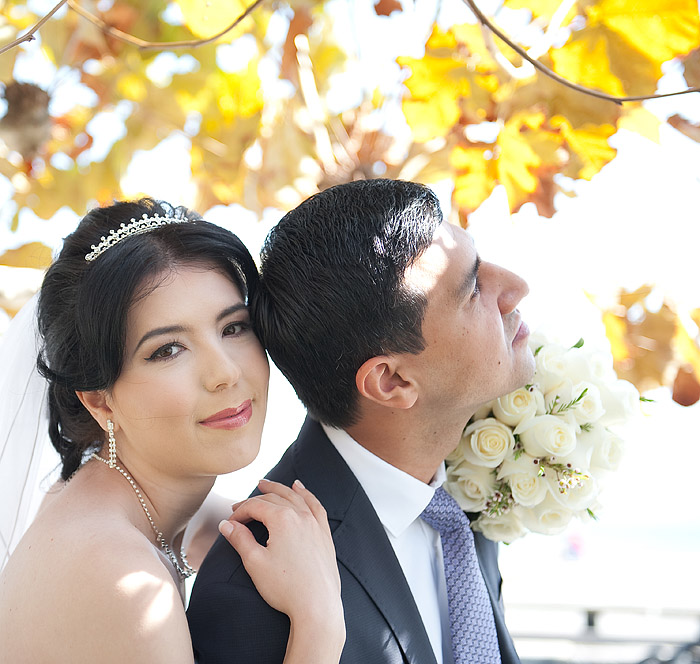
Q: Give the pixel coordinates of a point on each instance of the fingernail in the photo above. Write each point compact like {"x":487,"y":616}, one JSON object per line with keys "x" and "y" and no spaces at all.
{"x":225,"y":528}
{"x":299,"y":484}
{"x":264,"y":479}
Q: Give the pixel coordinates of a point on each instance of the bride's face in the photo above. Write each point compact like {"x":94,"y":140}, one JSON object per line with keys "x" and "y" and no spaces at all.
{"x":192,"y":394}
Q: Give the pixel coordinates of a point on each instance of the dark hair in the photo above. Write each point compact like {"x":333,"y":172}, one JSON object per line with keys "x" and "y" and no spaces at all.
{"x":83,"y":305}
{"x":332,"y":291}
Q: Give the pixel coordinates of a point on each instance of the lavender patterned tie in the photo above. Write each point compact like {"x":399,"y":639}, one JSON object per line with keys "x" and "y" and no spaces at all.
{"x":474,"y":639}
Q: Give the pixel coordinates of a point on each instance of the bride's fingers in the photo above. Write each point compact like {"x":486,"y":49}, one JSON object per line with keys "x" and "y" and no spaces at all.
{"x":297,"y":494}
{"x":240,"y":538}
{"x":269,"y":488}
{"x":252,"y":508}
{"x":313,"y":503}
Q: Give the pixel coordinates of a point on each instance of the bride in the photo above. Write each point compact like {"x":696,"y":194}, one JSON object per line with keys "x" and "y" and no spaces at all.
{"x":156,"y":385}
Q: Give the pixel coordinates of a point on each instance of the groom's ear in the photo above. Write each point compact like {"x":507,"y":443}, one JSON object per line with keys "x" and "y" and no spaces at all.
{"x":97,"y":404}
{"x":380,"y":380}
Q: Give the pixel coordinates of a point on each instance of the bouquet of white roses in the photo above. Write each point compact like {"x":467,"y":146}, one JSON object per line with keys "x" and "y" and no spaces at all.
{"x":533,"y":459}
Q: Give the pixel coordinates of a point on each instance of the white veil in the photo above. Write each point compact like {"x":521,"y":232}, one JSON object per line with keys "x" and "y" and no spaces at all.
{"x":23,"y":427}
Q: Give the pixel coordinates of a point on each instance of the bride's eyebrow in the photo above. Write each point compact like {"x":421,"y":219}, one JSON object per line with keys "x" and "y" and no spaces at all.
{"x":178,"y":329}
{"x":158,"y":331}
{"x":231,"y":310}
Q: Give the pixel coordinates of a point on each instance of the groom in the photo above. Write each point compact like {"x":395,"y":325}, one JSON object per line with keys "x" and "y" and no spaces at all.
{"x":392,"y":331}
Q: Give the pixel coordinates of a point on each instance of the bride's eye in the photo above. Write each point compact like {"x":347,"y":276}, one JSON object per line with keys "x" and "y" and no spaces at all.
{"x":236,"y":328}
{"x":166,"y":352}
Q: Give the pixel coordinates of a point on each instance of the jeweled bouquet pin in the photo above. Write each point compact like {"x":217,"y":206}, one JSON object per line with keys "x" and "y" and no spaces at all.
{"x":535,"y":458}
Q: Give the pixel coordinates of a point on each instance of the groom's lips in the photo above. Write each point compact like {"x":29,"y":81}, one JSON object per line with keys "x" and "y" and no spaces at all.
{"x":522,"y":332}
{"x":230,"y":418}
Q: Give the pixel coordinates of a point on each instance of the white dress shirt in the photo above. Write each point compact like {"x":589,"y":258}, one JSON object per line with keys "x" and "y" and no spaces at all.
{"x":398,"y":499}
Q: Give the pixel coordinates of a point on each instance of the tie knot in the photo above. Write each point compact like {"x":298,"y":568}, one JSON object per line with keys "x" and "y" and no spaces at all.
{"x":444,"y":513}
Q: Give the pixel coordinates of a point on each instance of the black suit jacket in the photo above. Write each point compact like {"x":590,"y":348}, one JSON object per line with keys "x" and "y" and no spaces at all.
{"x":230,"y":622}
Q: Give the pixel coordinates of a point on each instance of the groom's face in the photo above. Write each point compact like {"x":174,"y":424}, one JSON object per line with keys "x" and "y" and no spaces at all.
{"x":476,"y":342}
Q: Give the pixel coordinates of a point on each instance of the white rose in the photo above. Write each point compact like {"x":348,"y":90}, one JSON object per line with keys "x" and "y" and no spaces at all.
{"x":519,"y":405}
{"x":590,"y":366}
{"x":550,"y":367}
{"x":486,"y":442}
{"x":523,"y":477}
{"x":547,"y":435}
{"x":505,"y":528}
{"x":588,"y":408}
{"x":608,"y":451}
{"x":548,"y":518}
{"x":586,"y":442}
{"x":577,"y":497}
{"x":620,"y":401}
{"x":482,"y":412}
{"x":470,"y":486}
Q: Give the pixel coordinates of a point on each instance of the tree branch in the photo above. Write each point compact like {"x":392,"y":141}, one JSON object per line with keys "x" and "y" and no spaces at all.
{"x":29,"y":36}
{"x":149,"y":45}
{"x":560,"y":79}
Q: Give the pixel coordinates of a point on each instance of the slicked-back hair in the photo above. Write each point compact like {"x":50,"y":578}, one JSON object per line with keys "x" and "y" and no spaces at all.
{"x":333,"y":294}
{"x":83,"y":306}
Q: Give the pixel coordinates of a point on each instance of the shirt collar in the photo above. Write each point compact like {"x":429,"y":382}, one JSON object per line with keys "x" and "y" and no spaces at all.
{"x":397,"y":497}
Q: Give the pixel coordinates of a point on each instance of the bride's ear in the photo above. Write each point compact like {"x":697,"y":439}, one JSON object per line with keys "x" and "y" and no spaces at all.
{"x":97,"y":405}
{"x":380,"y":380}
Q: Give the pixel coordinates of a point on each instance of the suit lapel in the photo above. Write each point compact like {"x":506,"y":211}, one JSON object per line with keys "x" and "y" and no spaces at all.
{"x":360,"y":539}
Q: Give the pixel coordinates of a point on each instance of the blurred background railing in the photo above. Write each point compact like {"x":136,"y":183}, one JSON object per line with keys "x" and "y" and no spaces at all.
{"x":557,"y":633}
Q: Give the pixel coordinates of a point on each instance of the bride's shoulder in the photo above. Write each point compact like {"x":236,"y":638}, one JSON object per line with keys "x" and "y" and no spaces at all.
{"x":100,"y":571}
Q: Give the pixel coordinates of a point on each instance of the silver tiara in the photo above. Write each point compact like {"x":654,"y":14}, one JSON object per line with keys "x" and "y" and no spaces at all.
{"x":134,"y":227}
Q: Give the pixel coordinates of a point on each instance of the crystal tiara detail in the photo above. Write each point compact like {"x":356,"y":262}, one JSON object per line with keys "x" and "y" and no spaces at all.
{"x":134,"y":227}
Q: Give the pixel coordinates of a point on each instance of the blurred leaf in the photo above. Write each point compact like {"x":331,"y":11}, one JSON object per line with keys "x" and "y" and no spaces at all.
{"x":208,"y":18}
{"x":386,"y":7}
{"x":641,"y":121}
{"x":475,"y":176}
{"x":691,"y":68}
{"x":588,"y":146}
{"x":686,"y":388}
{"x":299,"y":25}
{"x":690,"y":129}
{"x":33,"y":254}
{"x":695,"y":315}
{"x":541,"y":8}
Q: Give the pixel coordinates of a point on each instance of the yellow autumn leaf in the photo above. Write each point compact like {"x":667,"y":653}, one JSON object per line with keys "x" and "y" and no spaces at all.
{"x":238,"y":94}
{"x":471,"y":36}
{"x":586,"y":60}
{"x":616,"y":332}
{"x":475,"y":179}
{"x":589,"y":146}
{"x":435,"y":85}
{"x":641,"y":121}
{"x":205,"y":19}
{"x":695,"y":315}
{"x":687,"y":349}
{"x":516,"y":159}
{"x":132,"y":87}
{"x":660,"y":29}
{"x":33,"y":254}
{"x":541,"y":8}
{"x":441,"y":39}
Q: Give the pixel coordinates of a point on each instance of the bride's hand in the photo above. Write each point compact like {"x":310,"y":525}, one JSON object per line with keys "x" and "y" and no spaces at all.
{"x":296,"y":573}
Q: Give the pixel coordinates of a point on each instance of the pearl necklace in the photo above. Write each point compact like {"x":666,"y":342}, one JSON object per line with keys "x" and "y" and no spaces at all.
{"x":185,"y":570}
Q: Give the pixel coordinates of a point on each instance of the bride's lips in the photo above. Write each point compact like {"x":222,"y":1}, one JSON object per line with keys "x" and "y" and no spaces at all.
{"x":230,"y":418}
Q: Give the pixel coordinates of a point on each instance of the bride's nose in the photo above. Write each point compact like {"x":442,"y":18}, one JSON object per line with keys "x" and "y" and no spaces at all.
{"x":220,"y":369}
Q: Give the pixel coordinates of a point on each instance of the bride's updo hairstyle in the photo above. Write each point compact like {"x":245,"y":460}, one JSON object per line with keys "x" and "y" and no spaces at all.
{"x":83,"y":304}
